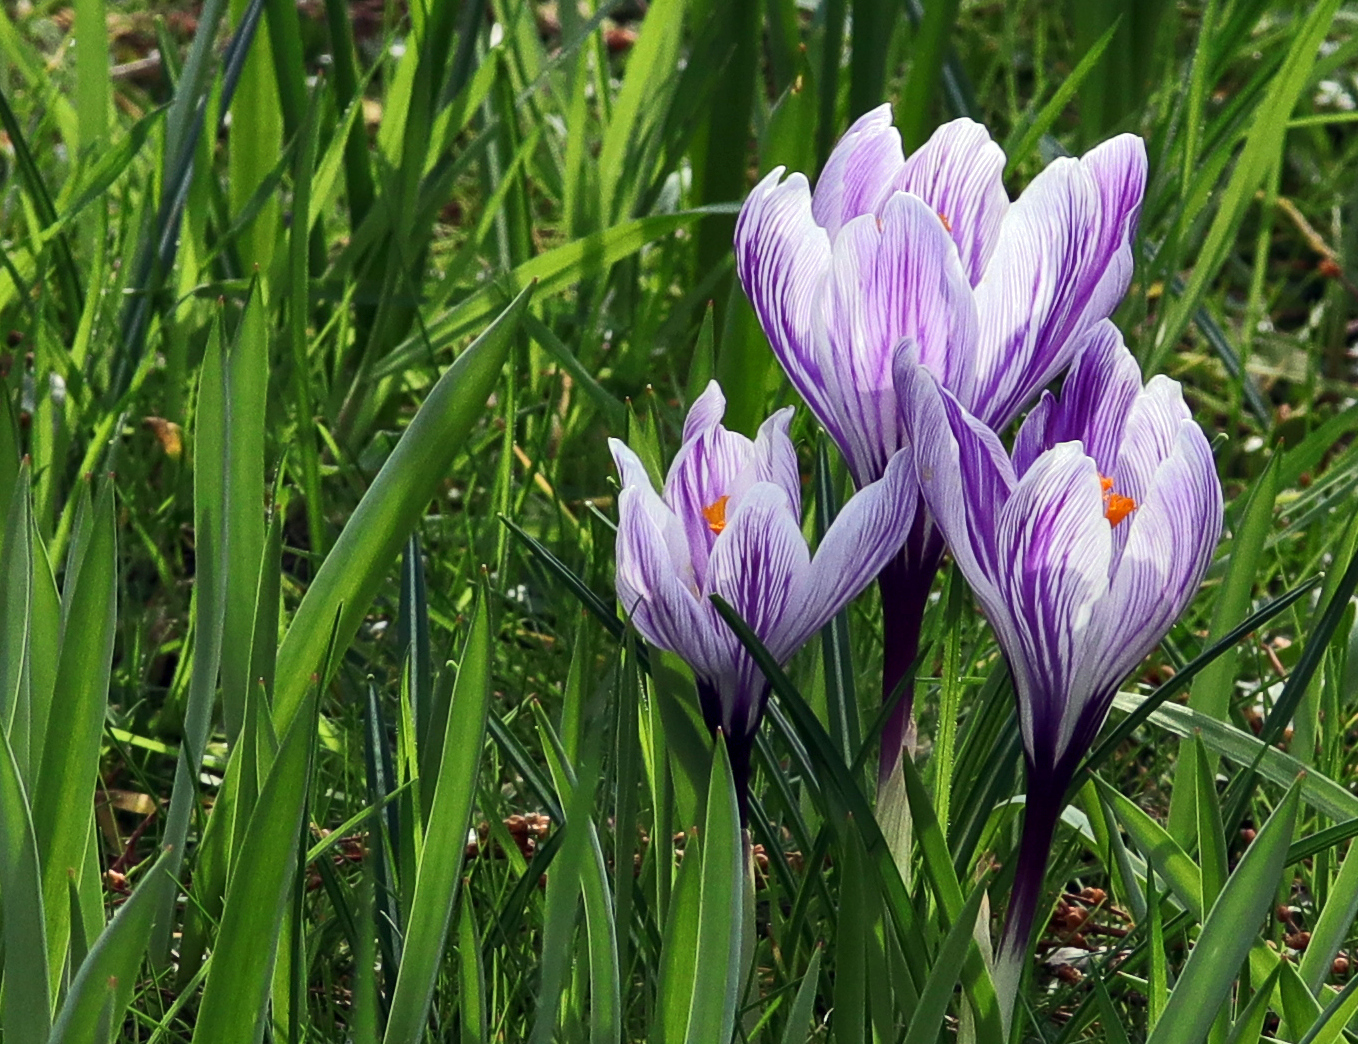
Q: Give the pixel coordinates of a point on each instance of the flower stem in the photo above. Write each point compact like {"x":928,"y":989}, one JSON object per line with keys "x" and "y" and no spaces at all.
{"x":1039,"y":827}
{"x":904,"y":585}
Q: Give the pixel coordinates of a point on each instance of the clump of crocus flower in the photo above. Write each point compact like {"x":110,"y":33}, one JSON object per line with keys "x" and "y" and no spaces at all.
{"x":729,"y":523}
{"x":1083,"y":547}
{"x":996,"y":298}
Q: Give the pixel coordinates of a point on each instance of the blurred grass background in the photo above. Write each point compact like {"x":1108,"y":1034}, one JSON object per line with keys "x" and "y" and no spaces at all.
{"x":316,"y":316}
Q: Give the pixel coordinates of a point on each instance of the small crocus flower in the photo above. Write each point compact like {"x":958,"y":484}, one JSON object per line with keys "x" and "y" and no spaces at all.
{"x":995,"y":297}
{"x":1082,"y":548}
{"x":729,"y":523}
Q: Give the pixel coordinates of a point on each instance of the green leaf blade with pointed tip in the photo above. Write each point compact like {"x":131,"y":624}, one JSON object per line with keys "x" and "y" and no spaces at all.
{"x":1229,"y":932}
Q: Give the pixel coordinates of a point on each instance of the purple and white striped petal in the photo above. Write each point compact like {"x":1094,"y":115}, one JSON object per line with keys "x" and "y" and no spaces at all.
{"x":707,"y":467}
{"x":893,"y":278}
{"x":775,"y":460}
{"x":1170,"y":539}
{"x":860,"y":171}
{"x":1062,"y":263}
{"x":757,"y":566}
{"x":650,"y":573}
{"x":705,"y":414}
{"x":783,"y":261}
{"x":959,"y":173}
{"x":1057,"y":545}
{"x":964,"y":475}
{"x":865,"y":535}
{"x":1095,"y":399}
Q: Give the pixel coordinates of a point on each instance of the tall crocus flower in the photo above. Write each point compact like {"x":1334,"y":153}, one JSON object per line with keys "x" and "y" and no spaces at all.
{"x":729,"y":523}
{"x":1083,"y":548}
{"x":995,"y":297}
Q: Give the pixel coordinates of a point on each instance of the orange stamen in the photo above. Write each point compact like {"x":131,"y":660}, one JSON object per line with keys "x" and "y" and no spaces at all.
{"x":946,"y":223}
{"x":1116,"y":507}
{"x":715,"y":513}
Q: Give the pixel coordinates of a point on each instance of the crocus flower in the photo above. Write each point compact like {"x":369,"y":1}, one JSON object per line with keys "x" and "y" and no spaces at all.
{"x":995,"y":297}
{"x":1082,"y":549}
{"x":729,"y":523}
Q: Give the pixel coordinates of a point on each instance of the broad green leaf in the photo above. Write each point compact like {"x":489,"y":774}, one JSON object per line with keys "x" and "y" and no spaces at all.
{"x":440,"y":866}
{"x":234,"y":1004}
{"x":378,"y":528}
{"x":104,"y":984}
{"x":21,"y":909}
{"x":930,"y":1015}
{"x":1320,"y":792}
{"x":674,"y":987}
{"x":1229,"y":932}
{"x":717,"y":971}
{"x":798,"y":1030}
{"x":63,"y":803}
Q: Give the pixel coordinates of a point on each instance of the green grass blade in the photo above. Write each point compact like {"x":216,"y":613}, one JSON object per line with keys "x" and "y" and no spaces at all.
{"x":234,"y":1004}
{"x":797,"y":1031}
{"x":385,"y":517}
{"x":639,"y":105}
{"x":1042,"y":122}
{"x":717,"y":972}
{"x":1229,"y":932}
{"x":914,"y":115}
{"x":930,"y":1014}
{"x":431,"y":909}
{"x":1266,"y":139}
{"x":674,"y":987}
{"x":63,"y":804}
{"x":554,"y":270}
{"x":16,"y":621}
{"x":1161,"y":850}
{"x":1325,"y":795}
{"x":1331,"y":928}
{"x":21,"y":906}
{"x":1250,"y":1024}
{"x":246,"y":402}
{"x":472,"y":979}
{"x":1212,"y":688}
{"x":211,"y":502}
{"x":105,"y":981}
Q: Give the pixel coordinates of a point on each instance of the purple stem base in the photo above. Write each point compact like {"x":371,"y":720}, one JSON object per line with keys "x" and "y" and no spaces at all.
{"x":1043,"y":810}
{"x":904,"y":585}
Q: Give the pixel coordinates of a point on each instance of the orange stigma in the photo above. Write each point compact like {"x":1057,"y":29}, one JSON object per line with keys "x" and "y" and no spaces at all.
{"x":946,"y":223}
{"x":1116,"y":507}
{"x":715,"y":513}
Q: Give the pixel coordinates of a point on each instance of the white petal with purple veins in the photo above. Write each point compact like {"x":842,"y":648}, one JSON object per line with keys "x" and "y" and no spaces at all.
{"x":868,"y":531}
{"x":651,"y":582}
{"x":859,"y":172}
{"x":1057,"y":548}
{"x":1062,"y":263}
{"x":959,"y":172}
{"x":775,"y":458}
{"x":1095,"y":398}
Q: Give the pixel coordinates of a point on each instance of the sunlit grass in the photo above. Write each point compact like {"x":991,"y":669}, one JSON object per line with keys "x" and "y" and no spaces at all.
{"x":315,"y":321}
